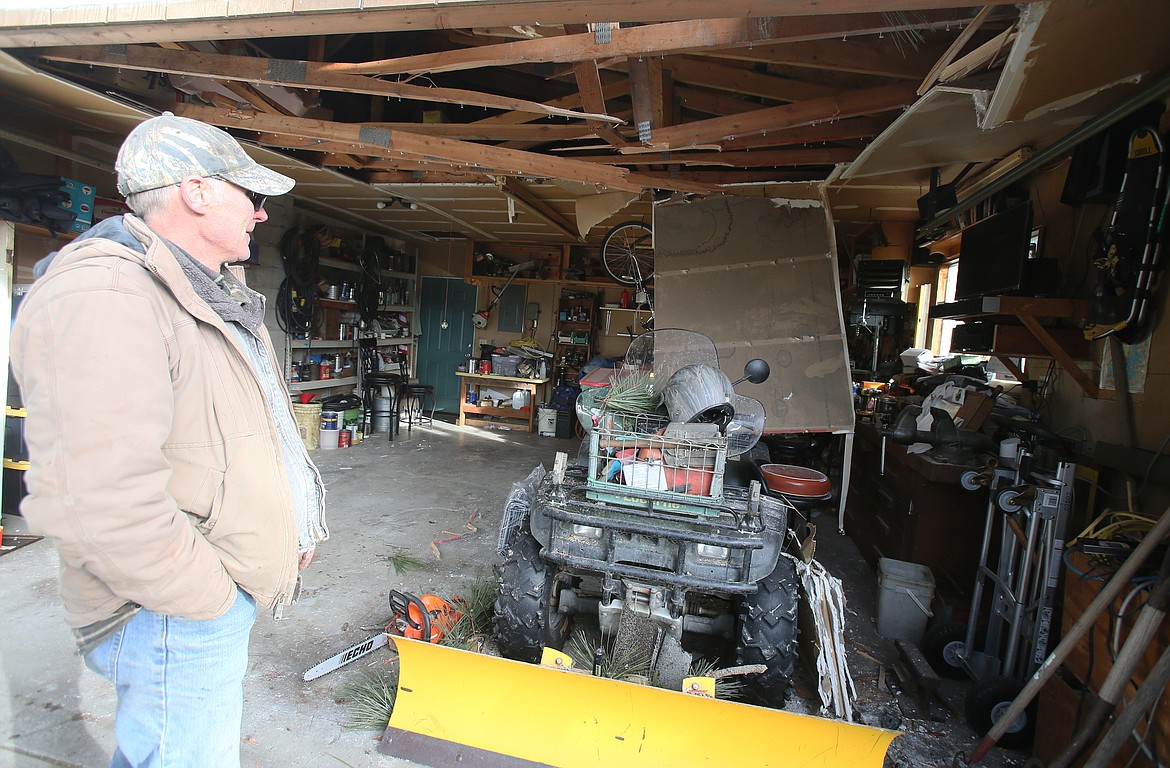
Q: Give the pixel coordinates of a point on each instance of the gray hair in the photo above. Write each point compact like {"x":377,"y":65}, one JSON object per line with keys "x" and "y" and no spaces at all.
{"x":151,"y":202}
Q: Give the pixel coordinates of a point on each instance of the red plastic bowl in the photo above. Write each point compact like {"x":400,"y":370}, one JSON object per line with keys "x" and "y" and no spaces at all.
{"x":795,"y":481}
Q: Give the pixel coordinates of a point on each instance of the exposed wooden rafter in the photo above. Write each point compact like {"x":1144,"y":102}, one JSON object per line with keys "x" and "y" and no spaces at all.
{"x":516,"y":190}
{"x":241,"y":20}
{"x":852,"y":104}
{"x":385,"y":143}
{"x":760,"y":159}
{"x":290,"y":73}
{"x":661,"y":39}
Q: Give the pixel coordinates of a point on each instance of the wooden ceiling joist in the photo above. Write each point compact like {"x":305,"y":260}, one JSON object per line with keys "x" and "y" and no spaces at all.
{"x":879,"y":57}
{"x":385,"y":143}
{"x":652,"y":39}
{"x":426,"y":177}
{"x":516,"y":190}
{"x":835,"y":130}
{"x":241,"y":20}
{"x":747,"y":82}
{"x":714,"y":180}
{"x":593,"y":99}
{"x":850,"y":104}
{"x":712,"y":102}
{"x":610,"y":90}
{"x":289,"y":73}
{"x":760,"y":159}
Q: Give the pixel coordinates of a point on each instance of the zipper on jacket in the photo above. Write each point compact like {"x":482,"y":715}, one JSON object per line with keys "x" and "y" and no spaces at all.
{"x":284,"y":599}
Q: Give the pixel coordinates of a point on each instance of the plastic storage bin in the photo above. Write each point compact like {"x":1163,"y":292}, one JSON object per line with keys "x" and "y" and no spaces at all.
{"x":505,"y":365}
{"x":905,"y":591}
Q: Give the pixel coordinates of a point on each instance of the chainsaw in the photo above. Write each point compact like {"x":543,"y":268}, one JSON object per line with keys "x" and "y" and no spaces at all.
{"x":429,"y":617}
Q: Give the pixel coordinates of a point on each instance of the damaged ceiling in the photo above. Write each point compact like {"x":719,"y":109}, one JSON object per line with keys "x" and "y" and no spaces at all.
{"x":542,"y":120}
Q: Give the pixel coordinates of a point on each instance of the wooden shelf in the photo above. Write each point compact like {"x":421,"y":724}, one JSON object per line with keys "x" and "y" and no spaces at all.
{"x":335,"y":304}
{"x":350,"y":266}
{"x":1027,"y":311}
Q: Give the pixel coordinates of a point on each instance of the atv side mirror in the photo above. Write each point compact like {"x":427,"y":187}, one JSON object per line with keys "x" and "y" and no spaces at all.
{"x":756,"y":371}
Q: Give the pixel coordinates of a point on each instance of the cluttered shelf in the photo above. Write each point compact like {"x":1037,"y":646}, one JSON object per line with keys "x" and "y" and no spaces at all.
{"x":1011,"y":327}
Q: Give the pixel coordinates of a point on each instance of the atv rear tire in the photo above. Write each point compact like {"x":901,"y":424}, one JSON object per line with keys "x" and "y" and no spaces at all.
{"x":767,"y":635}
{"x":525,"y":621}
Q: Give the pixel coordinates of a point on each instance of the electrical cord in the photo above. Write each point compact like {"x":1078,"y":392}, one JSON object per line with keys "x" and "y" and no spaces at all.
{"x":368,"y":292}
{"x":296,"y":298}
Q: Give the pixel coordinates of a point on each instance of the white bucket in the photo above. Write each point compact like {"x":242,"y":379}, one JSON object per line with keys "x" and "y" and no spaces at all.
{"x":905,"y":591}
{"x":329,"y":438}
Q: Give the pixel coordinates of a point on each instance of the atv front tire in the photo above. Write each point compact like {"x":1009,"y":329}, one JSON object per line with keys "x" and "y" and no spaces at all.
{"x":525,"y":621}
{"x":767,"y":635}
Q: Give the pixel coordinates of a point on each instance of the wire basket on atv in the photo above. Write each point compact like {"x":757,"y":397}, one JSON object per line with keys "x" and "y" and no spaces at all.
{"x":678,"y":467}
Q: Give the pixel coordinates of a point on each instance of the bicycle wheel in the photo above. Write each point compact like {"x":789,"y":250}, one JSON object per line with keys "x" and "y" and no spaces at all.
{"x":628,"y":253}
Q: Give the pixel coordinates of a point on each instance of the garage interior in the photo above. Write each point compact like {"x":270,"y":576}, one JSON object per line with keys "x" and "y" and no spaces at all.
{"x":906,"y":207}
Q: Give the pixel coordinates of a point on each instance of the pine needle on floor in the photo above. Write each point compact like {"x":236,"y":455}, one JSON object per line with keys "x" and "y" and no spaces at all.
{"x":369,"y":699}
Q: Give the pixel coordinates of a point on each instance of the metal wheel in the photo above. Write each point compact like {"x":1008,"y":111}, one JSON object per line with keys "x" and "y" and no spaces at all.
{"x":627,"y":251}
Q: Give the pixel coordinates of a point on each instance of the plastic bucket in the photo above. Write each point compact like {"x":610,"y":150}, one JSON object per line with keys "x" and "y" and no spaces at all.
{"x":308,"y":418}
{"x":329,"y":438}
{"x":905,"y":591}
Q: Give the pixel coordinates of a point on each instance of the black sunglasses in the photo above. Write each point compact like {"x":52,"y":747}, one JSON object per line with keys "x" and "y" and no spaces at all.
{"x":257,"y":199}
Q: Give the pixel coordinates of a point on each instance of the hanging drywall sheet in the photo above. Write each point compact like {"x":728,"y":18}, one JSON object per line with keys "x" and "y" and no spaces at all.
{"x":759,"y":276}
{"x":512,"y":302}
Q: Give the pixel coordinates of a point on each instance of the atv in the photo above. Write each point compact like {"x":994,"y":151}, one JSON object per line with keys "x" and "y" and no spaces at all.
{"x":660,"y":534}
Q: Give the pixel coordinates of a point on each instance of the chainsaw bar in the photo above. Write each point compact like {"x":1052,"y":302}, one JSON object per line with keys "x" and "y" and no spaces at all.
{"x":365,"y":647}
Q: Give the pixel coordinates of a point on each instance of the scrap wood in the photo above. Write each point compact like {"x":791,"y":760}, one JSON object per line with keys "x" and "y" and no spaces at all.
{"x":836,"y":686}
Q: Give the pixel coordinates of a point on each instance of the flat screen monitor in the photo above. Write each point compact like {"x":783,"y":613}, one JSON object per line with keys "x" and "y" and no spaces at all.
{"x":994,"y":252}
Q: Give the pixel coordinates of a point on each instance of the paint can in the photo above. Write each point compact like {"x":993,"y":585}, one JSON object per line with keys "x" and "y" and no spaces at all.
{"x":330,"y":420}
{"x":344,"y":436}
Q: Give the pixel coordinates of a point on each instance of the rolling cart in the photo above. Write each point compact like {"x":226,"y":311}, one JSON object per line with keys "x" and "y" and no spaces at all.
{"x":1030,"y":509}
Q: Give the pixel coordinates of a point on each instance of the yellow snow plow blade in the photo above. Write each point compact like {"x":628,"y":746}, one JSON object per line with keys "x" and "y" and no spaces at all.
{"x":459,"y":708}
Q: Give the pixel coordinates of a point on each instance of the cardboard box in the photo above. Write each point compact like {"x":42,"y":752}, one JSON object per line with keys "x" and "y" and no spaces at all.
{"x":107,"y":208}
{"x":974,"y":410}
{"x":81,"y":200}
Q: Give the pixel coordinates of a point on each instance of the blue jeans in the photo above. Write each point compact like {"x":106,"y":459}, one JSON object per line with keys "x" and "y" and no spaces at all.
{"x":180,"y":686}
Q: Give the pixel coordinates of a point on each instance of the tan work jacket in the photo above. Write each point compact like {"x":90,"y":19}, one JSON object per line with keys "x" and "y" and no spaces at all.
{"x":155,"y":461}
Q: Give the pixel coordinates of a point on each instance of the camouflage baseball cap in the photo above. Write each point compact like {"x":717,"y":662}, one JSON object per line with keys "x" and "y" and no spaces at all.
{"x":166,"y":149}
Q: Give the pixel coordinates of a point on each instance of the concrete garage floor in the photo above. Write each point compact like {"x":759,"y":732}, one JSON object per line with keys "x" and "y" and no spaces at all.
{"x":382,"y":497}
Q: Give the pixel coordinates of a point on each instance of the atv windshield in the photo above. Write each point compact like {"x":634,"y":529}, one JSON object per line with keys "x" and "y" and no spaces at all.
{"x":663,"y":352}
{"x":667,"y":351}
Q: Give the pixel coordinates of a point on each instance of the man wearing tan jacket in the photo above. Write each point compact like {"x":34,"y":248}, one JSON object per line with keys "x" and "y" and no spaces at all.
{"x":165,"y":460}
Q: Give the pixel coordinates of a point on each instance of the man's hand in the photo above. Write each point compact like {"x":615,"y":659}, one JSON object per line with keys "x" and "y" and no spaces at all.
{"x":306,"y":558}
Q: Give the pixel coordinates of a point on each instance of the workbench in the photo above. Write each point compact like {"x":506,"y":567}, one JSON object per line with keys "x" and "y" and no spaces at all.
{"x":476,"y":414}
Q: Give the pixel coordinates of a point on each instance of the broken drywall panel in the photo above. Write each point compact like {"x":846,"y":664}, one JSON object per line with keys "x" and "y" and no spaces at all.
{"x":943,"y":128}
{"x":593,"y":209}
{"x":1072,"y":50}
{"x":760,"y":279}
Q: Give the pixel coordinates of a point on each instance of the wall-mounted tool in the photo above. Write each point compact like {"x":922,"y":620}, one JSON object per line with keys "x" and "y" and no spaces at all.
{"x":480,"y":318}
